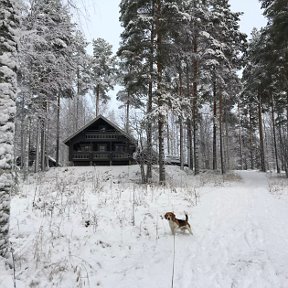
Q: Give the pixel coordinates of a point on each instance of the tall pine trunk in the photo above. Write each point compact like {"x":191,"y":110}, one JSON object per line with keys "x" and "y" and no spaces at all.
{"x":214,"y":123}
{"x":221,"y":132}
{"x":189,"y":122}
{"x":286,"y":148}
{"x":274,"y":136}
{"x":251,"y":149}
{"x":37,"y":159}
{"x":181,"y":130}
{"x":161,"y":117}
{"x":76,"y":119}
{"x":261,"y":134}
{"x":43,"y":127}
{"x":226,"y":137}
{"x":150,"y":99}
{"x":195,"y":110}
{"x":240,"y":140}
{"x":127,"y":125}
{"x":97,"y":108}
{"x":284,"y":151}
{"x":169,"y":144}
{"x":22,"y":133}
{"x":58,"y":130}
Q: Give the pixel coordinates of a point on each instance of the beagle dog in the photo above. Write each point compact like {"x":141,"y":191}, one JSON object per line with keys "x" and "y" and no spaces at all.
{"x":178,"y":224}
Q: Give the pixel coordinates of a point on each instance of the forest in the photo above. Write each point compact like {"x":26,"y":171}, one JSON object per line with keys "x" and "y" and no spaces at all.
{"x":191,"y":84}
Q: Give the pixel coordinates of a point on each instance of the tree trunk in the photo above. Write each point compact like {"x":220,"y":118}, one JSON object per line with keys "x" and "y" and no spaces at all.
{"x":226,"y":137}
{"x":195,"y":107}
{"x":240,"y":139}
{"x":29,"y":148}
{"x":37,"y":159}
{"x":214,"y":123}
{"x":274,"y":136}
{"x":58,"y":131}
{"x":97,"y":100}
{"x":43,"y":138}
{"x":189,"y":122}
{"x":286,"y":148}
{"x":240,"y":148}
{"x":261,"y":134}
{"x":251,"y":150}
{"x":168,"y":137}
{"x":77,"y":100}
{"x":221,"y":132}
{"x":181,"y":130}
{"x":127,"y":114}
{"x":150,"y":99}
{"x":161,"y":117}
{"x":22,"y":132}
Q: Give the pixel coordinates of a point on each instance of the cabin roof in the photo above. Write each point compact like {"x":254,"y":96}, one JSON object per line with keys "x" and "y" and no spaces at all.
{"x":66,"y":141}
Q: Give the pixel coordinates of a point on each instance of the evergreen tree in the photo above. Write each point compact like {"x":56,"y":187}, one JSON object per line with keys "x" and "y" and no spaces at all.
{"x":83,"y":81}
{"x":137,"y":53}
{"x":8,"y":89}
{"x":103,"y":71}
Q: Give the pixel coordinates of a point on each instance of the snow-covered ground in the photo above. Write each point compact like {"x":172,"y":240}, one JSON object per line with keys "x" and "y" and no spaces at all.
{"x":98,"y":227}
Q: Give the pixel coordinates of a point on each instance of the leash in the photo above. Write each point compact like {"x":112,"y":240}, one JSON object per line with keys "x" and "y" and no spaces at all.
{"x":173,"y":267}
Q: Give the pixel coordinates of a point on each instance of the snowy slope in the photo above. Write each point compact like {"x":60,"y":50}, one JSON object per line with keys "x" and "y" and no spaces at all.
{"x":240,"y":233}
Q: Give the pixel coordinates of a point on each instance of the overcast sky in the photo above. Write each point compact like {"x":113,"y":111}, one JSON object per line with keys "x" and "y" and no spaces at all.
{"x":101,"y":18}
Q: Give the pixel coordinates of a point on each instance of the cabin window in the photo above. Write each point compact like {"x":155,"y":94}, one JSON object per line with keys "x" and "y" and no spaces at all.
{"x":119,"y":147}
{"x":85,"y":147}
{"x":102,"y":147}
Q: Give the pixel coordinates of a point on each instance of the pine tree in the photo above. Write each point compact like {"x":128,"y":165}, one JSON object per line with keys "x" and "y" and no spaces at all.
{"x":195,"y":39}
{"x":8,"y":89}
{"x":83,"y":81}
{"x":137,"y":51}
{"x":103,"y":71}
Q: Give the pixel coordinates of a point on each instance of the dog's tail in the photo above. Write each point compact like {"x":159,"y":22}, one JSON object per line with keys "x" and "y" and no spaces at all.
{"x":186,"y":215}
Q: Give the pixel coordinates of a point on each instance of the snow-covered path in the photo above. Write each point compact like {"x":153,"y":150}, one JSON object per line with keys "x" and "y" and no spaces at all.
{"x":241,"y":239}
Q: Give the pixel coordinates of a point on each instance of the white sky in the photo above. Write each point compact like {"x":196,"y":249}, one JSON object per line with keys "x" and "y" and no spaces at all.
{"x":252,"y":16}
{"x":101,"y":18}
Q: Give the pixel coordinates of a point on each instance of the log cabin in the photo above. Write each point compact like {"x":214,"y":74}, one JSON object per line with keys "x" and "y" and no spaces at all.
{"x":101,"y":142}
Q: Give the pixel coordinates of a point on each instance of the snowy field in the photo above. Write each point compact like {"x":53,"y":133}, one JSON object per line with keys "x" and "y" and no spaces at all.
{"x":98,"y":227}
